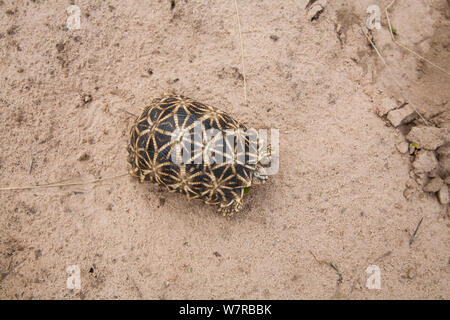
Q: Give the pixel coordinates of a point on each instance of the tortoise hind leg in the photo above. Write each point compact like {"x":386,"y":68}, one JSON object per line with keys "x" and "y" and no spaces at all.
{"x":231,"y":207}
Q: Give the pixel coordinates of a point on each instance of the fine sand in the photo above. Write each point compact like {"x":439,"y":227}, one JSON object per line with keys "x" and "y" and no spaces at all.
{"x":339,"y":192}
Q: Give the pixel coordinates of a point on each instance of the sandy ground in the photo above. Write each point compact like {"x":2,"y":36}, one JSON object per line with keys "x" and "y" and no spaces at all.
{"x":338,"y":193}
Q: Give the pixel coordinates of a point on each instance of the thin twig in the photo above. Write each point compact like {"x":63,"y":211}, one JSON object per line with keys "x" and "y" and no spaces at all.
{"x":388,"y":253}
{"x":62,"y":184}
{"x":131,"y":114}
{"x":309,"y":4}
{"x":331,"y":265}
{"x":242,"y":51}
{"x":31,"y":166}
{"x":405,"y":47}
{"x":413,"y":236}
{"x":392,"y":75}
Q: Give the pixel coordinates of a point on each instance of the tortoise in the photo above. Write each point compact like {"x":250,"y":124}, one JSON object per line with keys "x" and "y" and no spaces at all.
{"x":197,"y":150}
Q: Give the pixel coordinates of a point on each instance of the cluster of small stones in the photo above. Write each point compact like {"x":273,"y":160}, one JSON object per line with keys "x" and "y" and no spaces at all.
{"x":428,"y":145}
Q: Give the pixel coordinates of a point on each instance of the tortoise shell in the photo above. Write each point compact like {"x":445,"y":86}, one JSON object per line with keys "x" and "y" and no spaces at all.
{"x":196,"y":150}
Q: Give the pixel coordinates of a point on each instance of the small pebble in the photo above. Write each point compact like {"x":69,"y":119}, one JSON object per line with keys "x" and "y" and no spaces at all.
{"x":408,"y":192}
{"x":443,"y":195}
{"x":314,"y":12}
{"x":410,"y":183}
{"x":429,"y":138}
{"x":447,"y":180}
{"x":400,"y":116}
{"x":402,"y":147}
{"x":85,"y":156}
{"x":434,"y":185}
{"x":424,"y":162}
{"x":87,"y":98}
{"x":411,"y":273}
